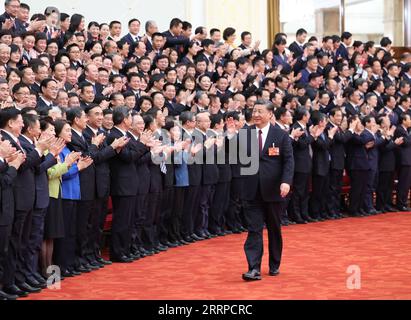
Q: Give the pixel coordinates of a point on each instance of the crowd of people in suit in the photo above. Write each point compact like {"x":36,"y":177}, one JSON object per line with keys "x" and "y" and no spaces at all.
{"x":88,"y":116}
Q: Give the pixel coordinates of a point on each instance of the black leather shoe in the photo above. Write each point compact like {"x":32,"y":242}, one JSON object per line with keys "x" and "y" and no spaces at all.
{"x":184,"y":243}
{"x":27,"y":288}
{"x":123,"y":259}
{"x":311,"y":220}
{"x":105,"y":262}
{"x":302,"y":222}
{"x":89,"y":266}
{"x":133,"y":257}
{"x":161,"y":248}
{"x":96,"y":264}
{"x":35,"y":284}
{"x":189,"y":239}
{"x":197,"y":238}
{"x":4,"y":296}
{"x":404,"y":209}
{"x":68,"y":274}
{"x":242,"y":229}
{"x":82,"y":269}
{"x":228,"y":232}
{"x":389,"y":208}
{"x":39,"y":278}
{"x":171,"y":244}
{"x":15,"y":291}
{"x":147,"y":253}
{"x":274,"y":273}
{"x":253,"y":275}
{"x":292,"y":223}
{"x":74,"y":272}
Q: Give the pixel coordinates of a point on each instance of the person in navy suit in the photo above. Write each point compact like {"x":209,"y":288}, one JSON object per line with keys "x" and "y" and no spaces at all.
{"x":297,"y":47}
{"x":24,"y":190}
{"x":132,"y":36}
{"x":8,"y":174}
{"x":342,"y":51}
{"x":267,"y":189}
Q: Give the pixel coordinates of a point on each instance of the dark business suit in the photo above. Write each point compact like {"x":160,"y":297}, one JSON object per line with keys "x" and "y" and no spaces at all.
{"x":359,"y":167}
{"x":130,"y":39}
{"x":337,"y":153}
{"x":303,"y":166}
{"x":42,"y":107}
{"x":7,"y":178}
{"x":31,"y":254}
{"x":404,"y":166}
{"x":351,"y":110}
{"x":342,"y":53}
{"x":296,"y":49}
{"x":24,"y":190}
{"x":102,"y":182}
{"x":85,"y":207}
{"x":263,"y":201}
{"x":124,"y":186}
{"x":386,"y":169}
{"x":320,"y":177}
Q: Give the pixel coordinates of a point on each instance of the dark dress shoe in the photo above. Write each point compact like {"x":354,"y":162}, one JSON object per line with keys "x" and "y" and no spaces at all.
{"x":35,"y":284}
{"x":274,"y":272}
{"x":197,"y":238}
{"x":302,"y":222}
{"x":189,"y":239}
{"x":39,"y":278}
{"x":75,"y":273}
{"x":67,"y":274}
{"x":133,"y":257}
{"x":171,"y":244}
{"x":292,"y":223}
{"x":311,"y":220}
{"x":27,"y":288}
{"x":228,"y":232}
{"x":89,"y":266}
{"x":389,"y":208}
{"x":161,"y":248}
{"x":236,"y":231}
{"x":404,"y":209}
{"x":96,"y":264}
{"x":253,"y":275}
{"x":184,"y":243}
{"x":5,"y":296}
{"x":123,"y":259}
{"x":103,"y":261}
{"x":82,"y":269}
{"x":15,"y":291}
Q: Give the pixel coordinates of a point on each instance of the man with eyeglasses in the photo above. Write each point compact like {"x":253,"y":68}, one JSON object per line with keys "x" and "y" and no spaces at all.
{"x":49,"y":90}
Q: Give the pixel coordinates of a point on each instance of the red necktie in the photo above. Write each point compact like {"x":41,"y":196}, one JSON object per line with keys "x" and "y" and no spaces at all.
{"x":260,"y":140}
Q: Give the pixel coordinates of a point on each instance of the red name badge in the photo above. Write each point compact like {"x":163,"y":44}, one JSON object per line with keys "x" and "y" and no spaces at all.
{"x":274,"y":152}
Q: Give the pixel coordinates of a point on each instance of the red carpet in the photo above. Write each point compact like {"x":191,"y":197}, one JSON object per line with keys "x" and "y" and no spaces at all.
{"x":316,"y":258}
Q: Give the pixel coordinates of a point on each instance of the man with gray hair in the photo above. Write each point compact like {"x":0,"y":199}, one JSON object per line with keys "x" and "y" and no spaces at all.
{"x":151,"y":28}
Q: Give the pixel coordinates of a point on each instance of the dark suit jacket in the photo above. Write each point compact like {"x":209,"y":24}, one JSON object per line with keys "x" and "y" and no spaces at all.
{"x":337,"y":148}
{"x":24,"y":188}
{"x":41,"y":178}
{"x":209,"y":156}
{"x":301,"y":147}
{"x":195,"y":171}
{"x":387,"y":156}
{"x":42,"y":107}
{"x":358,"y":154}
{"x":350,"y":111}
{"x":342,"y":52}
{"x":142,"y":165}
{"x":176,"y":42}
{"x":404,"y":151}
{"x":321,"y":155}
{"x":18,"y":27}
{"x":129,"y":39}
{"x":87,"y":176}
{"x":7,"y":177}
{"x":296,"y":50}
{"x":124,"y":179}
{"x":101,"y":163}
{"x":272,"y":171}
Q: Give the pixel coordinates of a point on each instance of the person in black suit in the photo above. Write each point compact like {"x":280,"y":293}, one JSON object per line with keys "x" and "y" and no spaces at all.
{"x":386,"y":164}
{"x":133,"y":30}
{"x":321,"y":167}
{"x":174,"y":38}
{"x":297,"y":47}
{"x":24,"y":191}
{"x":267,"y":189}
{"x":359,"y":166}
{"x":102,"y":168}
{"x":337,"y":153}
{"x":404,"y":162}
{"x":210,"y":173}
{"x":342,"y":51}
{"x":8,"y":20}
{"x":91,"y":74}
{"x":48,"y":94}
{"x":10,"y":162}
{"x":303,"y":167}
{"x":30,"y":132}
{"x":352,"y":107}
{"x":124,"y":186}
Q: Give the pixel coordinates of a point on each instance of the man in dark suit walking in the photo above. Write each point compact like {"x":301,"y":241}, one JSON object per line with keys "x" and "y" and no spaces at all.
{"x":268,"y":188}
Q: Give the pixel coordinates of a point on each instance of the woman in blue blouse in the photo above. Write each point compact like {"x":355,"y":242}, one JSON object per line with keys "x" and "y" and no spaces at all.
{"x":70,"y":193}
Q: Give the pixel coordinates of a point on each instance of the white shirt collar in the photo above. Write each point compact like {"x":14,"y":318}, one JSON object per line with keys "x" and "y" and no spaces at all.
{"x":95,"y":131}
{"x":11,"y":135}
{"x":27,"y":138}
{"x":80,"y":134}
{"x":132,"y":134}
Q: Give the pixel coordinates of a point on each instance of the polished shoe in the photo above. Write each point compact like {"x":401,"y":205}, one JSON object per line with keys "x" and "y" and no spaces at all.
{"x":133,"y":256}
{"x":75,"y":273}
{"x":253,"y":275}
{"x":197,"y":238}
{"x":39,"y":278}
{"x":221,"y":234}
{"x":302,"y":222}
{"x":311,"y":220}
{"x":184,"y":243}
{"x":82,"y":269}
{"x":31,"y":281}
{"x":404,"y":209}
{"x":242,"y":229}
{"x":274,"y":272}
{"x":213,"y":235}
{"x":189,"y":239}
{"x":27,"y":288}
{"x":97,"y":264}
{"x":389,"y":208}
{"x":162,"y":248}
{"x":89,"y":266}
{"x":67,"y":274}
{"x":122,"y":259}
{"x":5,"y":296}
{"x":228,"y":232}
{"x":103,"y":261}
{"x":146,"y":252}
{"x":171,"y":244}
{"x":15,"y":291}
{"x":292,"y":223}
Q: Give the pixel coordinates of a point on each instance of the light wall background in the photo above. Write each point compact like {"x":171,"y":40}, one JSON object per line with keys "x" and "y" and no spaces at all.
{"x":244,"y":15}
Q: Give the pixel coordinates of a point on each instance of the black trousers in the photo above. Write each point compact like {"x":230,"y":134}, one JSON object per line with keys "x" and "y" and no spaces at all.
{"x":335,"y":190}
{"x":138,"y":221}
{"x":318,"y":199}
{"x":369,"y":192}
{"x":166,"y":214}
{"x":359,"y":179}
{"x":64,"y":248}
{"x":85,"y":209}
{"x":300,"y":196}
{"x":404,"y":185}
{"x":18,"y":242}
{"x":177,"y":214}
{"x":384,"y":189}
{"x":219,"y":207}
{"x":123,"y":208}
{"x":206,"y":199}
{"x":5,"y":233}
{"x":191,"y":207}
{"x":150,"y":238}
{"x":31,"y":256}
{"x":233,"y":218}
{"x":257,"y":213}
{"x":97,"y":223}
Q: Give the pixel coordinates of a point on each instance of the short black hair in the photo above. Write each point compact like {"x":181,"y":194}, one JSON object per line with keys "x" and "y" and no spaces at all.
{"x":73,"y":113}
{"x":228,"y":32}
{"x":8,"y":114}
{"x":29,"y":121}
{"x":346,"y":35}
{"x":119,"y":114}
{"x":175,"y":23}
{"x":300,"y":32}
{"x":133,"y":20}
